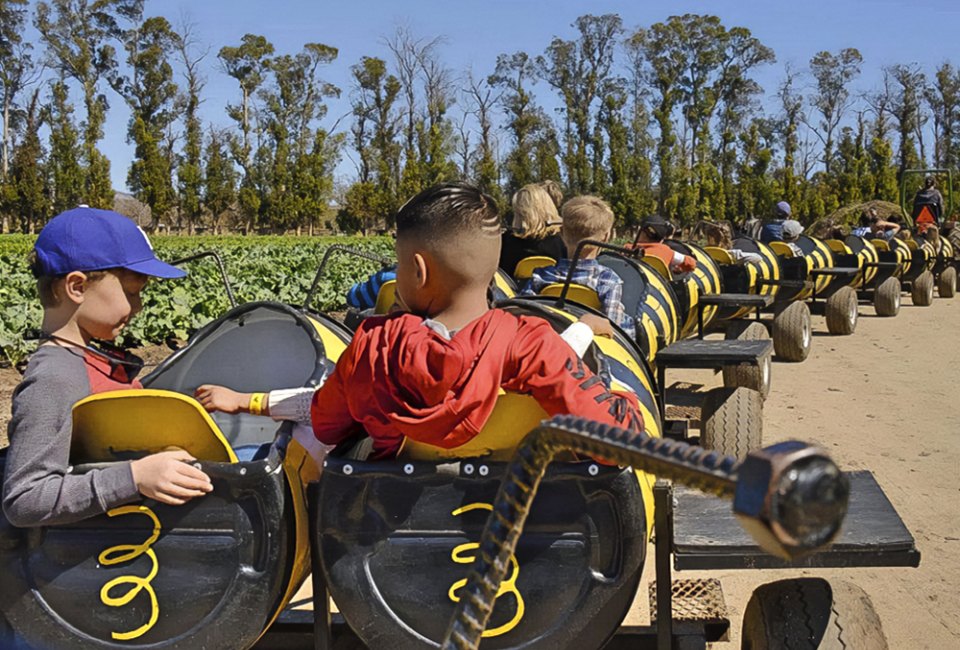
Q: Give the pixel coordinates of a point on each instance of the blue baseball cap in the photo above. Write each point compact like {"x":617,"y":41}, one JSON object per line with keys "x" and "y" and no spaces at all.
{"x":783,"y":208}
{"x":86,"y":239}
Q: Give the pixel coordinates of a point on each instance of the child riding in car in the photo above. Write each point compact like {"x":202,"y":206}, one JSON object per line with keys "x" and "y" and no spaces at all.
{"x":433,"y":371}
{"x":433,"y":374}
{"x":655,"y":229}
{"x":790,"y":235}
{"x":586,"y":217}
{"x":91,"y":266}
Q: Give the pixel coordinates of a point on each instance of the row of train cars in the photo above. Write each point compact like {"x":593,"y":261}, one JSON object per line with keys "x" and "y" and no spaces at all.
{"x":772,"y":295}
{"x":390,"y":542}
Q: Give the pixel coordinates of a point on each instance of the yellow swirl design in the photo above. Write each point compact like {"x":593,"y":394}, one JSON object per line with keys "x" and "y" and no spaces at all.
{"x":127,"y":553}
{"x":459,"y":555}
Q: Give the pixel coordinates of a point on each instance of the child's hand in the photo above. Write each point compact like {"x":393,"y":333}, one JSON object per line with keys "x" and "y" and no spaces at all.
{"x":221,"y":398}
{"x":168,"y":477}
{"x":600,"y":325}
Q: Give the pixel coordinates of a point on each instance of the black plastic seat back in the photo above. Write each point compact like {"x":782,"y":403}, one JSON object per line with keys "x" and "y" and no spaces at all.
{"x":794,"y":270}
{"x":647,"y":299}
{"x":254,"y":347}
{"x":635,"y":285}
{"x":736,"y":279}
{"x":681,"y":289}
{"x":396,"y":541}
{"x":211,"y":578}
{"x":855,"y":243}
{"x":807,"y":245}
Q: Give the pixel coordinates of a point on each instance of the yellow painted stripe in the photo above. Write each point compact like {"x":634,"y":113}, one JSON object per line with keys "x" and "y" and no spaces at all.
{"x":869,"y":255}
{"x":948,"y":251}
{"x":665,"y":297}
{"x":931,"y":253}
{"x":820,"y":258}
{"x":333,"y":344}
{"x":767,"y":269}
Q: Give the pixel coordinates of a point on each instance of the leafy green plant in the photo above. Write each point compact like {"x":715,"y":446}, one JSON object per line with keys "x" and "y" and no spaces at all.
{"x":260,"y":268}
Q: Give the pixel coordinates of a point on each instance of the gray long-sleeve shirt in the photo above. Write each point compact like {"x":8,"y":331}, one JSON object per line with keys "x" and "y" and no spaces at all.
{"x":38,"y":489}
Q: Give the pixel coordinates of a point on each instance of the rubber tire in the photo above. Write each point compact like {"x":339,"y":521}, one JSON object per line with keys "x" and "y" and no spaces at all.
{"x":842,"y":312}
{"x":922,"y":290}
{"x":792,"y":334}
{"x":731,"y":421}
{"x":947,"y":283}
{"x":886,"y":299}
{"x":755,"y":377}
{"x":811,"y":614}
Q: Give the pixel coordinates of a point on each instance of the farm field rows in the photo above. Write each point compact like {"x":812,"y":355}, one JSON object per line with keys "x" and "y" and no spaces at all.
{"x":260,"y":268}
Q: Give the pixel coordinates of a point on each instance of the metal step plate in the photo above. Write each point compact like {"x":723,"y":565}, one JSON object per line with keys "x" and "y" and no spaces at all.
{"x":694,"y":599}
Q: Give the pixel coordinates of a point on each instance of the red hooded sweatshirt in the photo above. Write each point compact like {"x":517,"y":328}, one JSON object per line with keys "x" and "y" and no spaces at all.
{"x":400,"y":378}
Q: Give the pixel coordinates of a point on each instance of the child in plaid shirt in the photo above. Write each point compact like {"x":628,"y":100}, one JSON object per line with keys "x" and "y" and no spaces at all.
{"x":587,"y":217}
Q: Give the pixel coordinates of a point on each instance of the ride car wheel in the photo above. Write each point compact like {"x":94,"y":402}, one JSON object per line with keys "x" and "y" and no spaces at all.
{"x":756,"y":377}
{"x":922,"y":290}
{"x":792,"y":335}
{"x":731,"y":421}
{"x":841,"y":312}
{"x":947,"y":284}
{"x":811,"y":614}
{"x":886,"y":299}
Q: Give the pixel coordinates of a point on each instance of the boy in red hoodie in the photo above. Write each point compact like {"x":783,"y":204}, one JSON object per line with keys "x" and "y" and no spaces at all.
{"x":433,"y":372}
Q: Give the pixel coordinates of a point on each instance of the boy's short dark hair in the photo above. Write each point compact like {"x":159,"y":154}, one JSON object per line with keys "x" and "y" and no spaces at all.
{"x":656,"y":227}
{"x":448,"y":210}
{"x":48,"y":297}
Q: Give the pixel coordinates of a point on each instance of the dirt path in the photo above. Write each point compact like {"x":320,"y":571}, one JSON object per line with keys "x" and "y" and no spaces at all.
{"x":884,"y":399}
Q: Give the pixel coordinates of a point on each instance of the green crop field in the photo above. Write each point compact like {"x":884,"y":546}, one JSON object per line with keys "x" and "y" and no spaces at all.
{"x":260,"y":268}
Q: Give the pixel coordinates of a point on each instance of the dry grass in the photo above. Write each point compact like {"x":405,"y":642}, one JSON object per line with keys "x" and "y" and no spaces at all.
{"x":849,"y":215}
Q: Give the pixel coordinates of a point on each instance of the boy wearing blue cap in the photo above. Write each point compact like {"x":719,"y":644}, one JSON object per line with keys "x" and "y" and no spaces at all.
{"x":91,"y":266}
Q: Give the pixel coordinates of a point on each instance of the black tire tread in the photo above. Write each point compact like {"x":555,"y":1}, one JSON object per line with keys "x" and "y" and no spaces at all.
{"x":731,"y":421}
{"x":746,"y":375}
{"x":838,"y":309}
{"x":886,"y":299}
{"x":788,"y":327}
{"x":922,"y":290}
{"x":811,"y":614}
{"x":947,"y":283}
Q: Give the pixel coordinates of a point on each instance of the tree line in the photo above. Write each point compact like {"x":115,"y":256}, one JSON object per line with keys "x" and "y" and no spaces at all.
{"x":664,"y":118}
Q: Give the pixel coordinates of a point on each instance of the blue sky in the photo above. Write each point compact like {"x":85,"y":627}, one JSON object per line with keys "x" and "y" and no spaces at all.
{"x":885,"y":31}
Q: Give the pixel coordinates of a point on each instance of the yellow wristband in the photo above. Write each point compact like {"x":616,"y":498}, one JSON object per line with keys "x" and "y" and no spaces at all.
{"x":257,"y":401}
